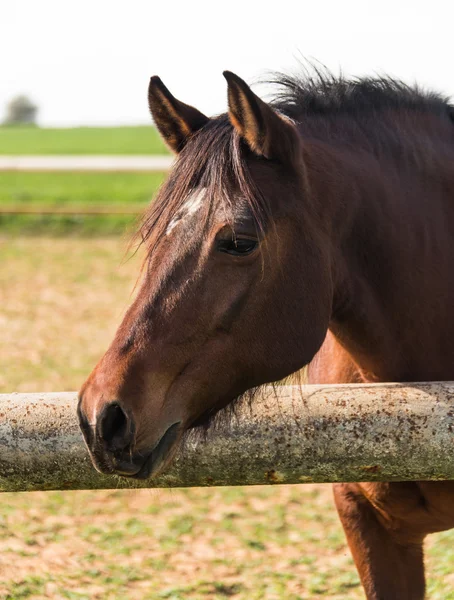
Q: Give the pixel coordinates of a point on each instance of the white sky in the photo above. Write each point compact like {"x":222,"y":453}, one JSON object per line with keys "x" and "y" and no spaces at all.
{"x":88,"y":61}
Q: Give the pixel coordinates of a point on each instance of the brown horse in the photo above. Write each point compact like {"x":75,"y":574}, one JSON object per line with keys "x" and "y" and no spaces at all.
{"x":316,"y":229}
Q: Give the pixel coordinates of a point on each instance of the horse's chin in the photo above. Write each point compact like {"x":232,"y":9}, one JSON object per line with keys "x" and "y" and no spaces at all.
{"x":154,"y":461}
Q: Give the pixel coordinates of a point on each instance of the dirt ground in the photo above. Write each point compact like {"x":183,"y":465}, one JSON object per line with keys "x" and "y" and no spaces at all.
{"x":60,"y":302}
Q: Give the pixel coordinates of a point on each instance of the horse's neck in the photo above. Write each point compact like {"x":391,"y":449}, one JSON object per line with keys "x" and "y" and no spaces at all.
{"x":393,"y":256}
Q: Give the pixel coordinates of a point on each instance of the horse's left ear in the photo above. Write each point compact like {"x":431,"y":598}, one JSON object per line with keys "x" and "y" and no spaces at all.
{"x":265,"y":131}
{"x":175,"y":120}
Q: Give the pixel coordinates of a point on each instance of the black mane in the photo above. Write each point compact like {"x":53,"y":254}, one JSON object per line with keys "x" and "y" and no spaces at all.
{"x":326,"y":94}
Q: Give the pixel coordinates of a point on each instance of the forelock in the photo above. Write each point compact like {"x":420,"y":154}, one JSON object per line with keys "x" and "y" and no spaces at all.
{"x":213,"y":163}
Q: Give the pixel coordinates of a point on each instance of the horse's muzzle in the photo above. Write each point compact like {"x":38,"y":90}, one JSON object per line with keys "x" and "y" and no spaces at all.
{"x":110,"y":442}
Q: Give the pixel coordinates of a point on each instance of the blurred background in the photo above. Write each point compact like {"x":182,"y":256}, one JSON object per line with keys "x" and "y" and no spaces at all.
{"x":79,"y":161}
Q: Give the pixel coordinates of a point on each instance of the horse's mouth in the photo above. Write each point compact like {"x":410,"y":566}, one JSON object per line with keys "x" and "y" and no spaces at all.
{"x":143,"y":465}
{"x":160,"y":453}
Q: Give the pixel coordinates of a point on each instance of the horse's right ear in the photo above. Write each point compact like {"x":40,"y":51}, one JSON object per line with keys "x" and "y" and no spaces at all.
{"x":175,"y":120}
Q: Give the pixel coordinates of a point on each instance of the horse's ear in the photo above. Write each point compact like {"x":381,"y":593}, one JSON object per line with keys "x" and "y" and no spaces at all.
{"x":265,"y":131}
{"x":175,"y":120}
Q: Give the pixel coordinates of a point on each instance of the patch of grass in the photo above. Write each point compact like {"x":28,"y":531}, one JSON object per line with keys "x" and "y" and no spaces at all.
{"x":27,"y":588}
{"x":61,"y":302}
{"x":66,"y":189}
{"x":81,"y":140}
{"x":67,"y":225}
{"x":182,"y":525}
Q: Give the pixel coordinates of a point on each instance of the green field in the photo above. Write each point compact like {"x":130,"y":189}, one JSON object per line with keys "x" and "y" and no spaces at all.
{"x":78,"y":189}
{"x":30,"y":191}
{"x":74,"y":191}
{"x":81,"y":140}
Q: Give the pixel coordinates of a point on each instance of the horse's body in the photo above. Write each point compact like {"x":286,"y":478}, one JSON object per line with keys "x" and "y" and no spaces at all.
{"x":394,"y":323}
{"x":360,"y":187}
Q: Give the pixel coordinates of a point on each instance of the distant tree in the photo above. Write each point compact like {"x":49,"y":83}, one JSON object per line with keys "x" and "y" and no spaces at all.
{"x":21,"y":110}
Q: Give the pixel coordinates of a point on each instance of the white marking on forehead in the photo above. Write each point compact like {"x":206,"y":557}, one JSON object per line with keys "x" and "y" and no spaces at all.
{"x":191,"y":205}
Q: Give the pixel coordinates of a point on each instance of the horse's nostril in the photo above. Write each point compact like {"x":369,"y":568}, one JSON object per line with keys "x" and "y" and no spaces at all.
{"x":114,"y":427}
{"x":83,"y":423}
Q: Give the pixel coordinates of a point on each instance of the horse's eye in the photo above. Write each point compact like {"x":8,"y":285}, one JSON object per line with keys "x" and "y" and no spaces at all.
{"x":237,"y":246}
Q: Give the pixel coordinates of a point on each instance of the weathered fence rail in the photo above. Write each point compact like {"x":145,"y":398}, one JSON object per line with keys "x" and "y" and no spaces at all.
{"x":291,"y":435}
